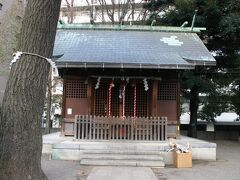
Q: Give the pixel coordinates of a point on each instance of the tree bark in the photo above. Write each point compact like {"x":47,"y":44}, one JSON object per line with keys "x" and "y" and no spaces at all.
{"x":194,"y":102}
{"x":22,"y":107}
{"x":49,"y":103}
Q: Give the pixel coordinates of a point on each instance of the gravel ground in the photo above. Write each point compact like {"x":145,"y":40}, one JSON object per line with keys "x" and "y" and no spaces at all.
{"x":227,"y":167}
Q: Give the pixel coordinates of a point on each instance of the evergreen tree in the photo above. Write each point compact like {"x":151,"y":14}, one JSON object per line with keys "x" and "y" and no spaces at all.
{"x":220,"y":83}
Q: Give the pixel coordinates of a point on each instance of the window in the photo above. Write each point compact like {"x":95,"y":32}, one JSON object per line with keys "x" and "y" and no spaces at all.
{"x":142,"y":100}
{"x":76,"y":89}
{"x":101,"y":99}
{"x":167,"y":91}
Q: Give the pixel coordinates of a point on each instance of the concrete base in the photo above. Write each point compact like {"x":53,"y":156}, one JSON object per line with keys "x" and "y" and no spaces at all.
{"x":51,"y":139}
{"x":141,"y":153}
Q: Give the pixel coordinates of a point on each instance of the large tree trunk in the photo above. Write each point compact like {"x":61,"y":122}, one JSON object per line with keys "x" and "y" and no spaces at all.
{"x":194,"y":101}
{"x":22,"y":107}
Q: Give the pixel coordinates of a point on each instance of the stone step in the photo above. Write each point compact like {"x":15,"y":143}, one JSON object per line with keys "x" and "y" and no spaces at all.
{"x":77,"y":154}
{"x":129,"y":152}
{"x":113,"y":146}
{"x":123,"y":157}
{"x":111,"y":162}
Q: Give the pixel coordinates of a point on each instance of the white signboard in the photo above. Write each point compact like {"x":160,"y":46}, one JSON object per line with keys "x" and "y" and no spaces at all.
{"x":69,"y":111}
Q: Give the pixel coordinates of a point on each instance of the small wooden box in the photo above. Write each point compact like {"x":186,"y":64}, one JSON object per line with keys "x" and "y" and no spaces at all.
{"x":183,"y":160}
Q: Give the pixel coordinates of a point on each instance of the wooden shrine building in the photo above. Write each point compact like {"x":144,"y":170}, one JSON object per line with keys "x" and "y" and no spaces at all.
{"x":122,"y":82}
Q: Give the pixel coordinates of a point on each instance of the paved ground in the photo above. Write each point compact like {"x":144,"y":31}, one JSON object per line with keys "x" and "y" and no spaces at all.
{"x":121,"y":173}
{"x":227,"y":166}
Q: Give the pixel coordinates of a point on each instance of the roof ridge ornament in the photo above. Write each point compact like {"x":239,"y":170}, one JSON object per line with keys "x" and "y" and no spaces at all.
{"x":171,"y":41}
{"x":153,"y":22}
{"x":130,"y":28}
{"x":193,"y":20}
{"x":184,"y":24}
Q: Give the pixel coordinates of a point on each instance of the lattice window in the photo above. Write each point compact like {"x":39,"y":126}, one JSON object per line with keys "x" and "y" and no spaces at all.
{"x":167,"y":91}
{"x":142,"y":100}
{"x":101,"y":99}
{"x":76,"y":89}
{"x":129,"y":99}
{"x":115,"y":100}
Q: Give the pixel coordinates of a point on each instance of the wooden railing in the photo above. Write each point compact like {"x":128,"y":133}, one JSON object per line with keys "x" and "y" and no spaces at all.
{"x":117,"y":128}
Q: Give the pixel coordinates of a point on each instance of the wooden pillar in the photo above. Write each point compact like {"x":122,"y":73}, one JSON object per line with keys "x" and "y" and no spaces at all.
{"x":93,"y":97}
{"x":89,"y":96}
{"x":178,"y":104}
{"x":63,"y":104}
{"x":154,"y":98}
{"x":178,"y":101}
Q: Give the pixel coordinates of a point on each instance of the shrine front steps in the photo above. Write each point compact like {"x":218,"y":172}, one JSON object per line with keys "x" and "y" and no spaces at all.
{"x":66,"y":148}
{"x":123,"y":159}
{"x":113,"y":153}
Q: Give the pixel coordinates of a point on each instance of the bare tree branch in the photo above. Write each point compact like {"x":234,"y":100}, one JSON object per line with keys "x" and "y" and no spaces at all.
{"x":70,"y":13}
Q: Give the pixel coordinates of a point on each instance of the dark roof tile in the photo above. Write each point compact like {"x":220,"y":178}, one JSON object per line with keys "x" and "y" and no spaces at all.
{"x":130,"y":48}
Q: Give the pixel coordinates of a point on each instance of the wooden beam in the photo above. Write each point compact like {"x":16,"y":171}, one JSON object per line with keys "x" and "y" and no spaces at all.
{"x":130,"y":77}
